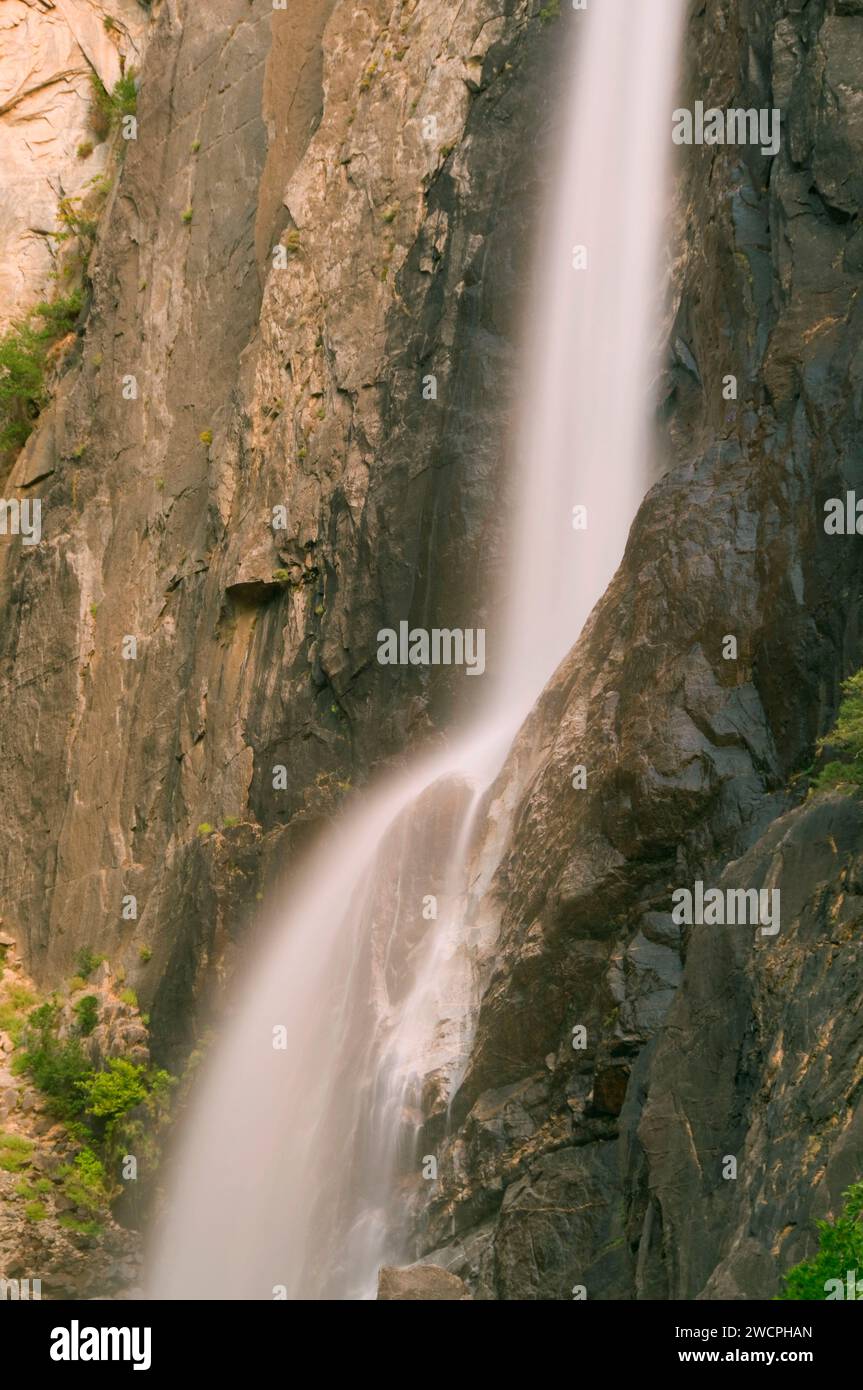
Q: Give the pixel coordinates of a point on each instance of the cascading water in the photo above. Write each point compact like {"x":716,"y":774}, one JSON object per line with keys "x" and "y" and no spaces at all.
{"x":294,"y":1169}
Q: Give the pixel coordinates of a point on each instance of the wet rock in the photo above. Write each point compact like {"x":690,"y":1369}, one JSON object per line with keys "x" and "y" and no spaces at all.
{"x":695,"y":764}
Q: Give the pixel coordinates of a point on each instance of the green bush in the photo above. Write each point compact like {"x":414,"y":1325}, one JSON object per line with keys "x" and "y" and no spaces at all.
{"x":110,"y":1094}
{"x":107,"y":109}
{"x":840,"y":1250}
{"x":847,"y":736}
{"x":86,"y":962}
{"x":119,"y":1109}
{"x":81,"y":1228}
{"x":14,"y":1153}
{"x":57,"y":1068}
{"x":124,"y":94}
{"x":43,"y":1187}
{"x":84,"y":1181}
{"x":87,"y":1014}
{"x":24,"y":351}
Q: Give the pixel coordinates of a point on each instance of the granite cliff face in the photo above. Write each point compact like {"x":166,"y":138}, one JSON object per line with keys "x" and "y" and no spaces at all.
{"x":49,"y":51}
{"x":325,"y":207}
{"x":308,"y":225}
{"x":603,"y":1167}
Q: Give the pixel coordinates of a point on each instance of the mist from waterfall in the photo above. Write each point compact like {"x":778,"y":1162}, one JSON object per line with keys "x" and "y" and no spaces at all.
{"x":298,"y":1164}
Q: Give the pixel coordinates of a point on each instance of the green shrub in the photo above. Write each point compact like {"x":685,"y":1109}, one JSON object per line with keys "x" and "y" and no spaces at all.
{"x":57,"y":1068}
{"x":107,"y":109}
{"x":124,"y":94}
{"x":36,"y":1211}
{"x":87,"y":1014}
{"x":20,"y":997}
{"x":847,"y":736}
{"x":84,"y":1182}
{"x":111,"y":1093}
{"x":840,"y":1250}
{"x":81,"y":1228}
{"x":24,"y":351}
{"x":14,"y":1153}
{"x":145,"y":954}
{"x":129,"y":997}
{"x":86,"y":962}
{"x":43,"y":1187}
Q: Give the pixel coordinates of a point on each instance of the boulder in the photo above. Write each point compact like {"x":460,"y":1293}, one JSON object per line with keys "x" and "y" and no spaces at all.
{"x":421,"y":1283}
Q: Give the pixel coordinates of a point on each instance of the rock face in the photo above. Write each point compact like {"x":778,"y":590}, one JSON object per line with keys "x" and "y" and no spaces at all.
{"x":48,"y":148}
{"x":308,"y":227}
{"x":605,"y":1166}
{"x":51,"y":1230}
{"x":324,"y":210}
{"x":420,"y":1283}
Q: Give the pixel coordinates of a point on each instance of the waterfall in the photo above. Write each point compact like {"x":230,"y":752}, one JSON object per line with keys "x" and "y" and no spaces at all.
{"x":297,"y":1164}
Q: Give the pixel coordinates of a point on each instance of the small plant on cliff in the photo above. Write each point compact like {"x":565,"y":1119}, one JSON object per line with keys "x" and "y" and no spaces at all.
{"x":14,"y":1153}
{"x":85,"y":1182}
{"x":111,"y":1093}
{"x":847,"y":736}
{"x":145,"y":955}
{"x":87,"y":1014}
{"x":24,"y":355}
{"x":206,"y":437}
{"x":205,"y":828}
{"x":840,"y":1252}
{"x":57,"y":1067}
{"x":86,"y":962}
{"x":550,"y":11}
{"x":187,"y":215}
{"x":107,"y":109}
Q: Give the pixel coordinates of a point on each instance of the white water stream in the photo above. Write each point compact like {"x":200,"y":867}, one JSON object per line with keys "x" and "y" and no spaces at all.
{"x":297,"y":1163}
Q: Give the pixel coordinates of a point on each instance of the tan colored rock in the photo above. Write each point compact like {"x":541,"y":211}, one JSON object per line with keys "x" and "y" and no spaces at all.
{"x":421,"y":1284}
{"x":47,"y":53}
